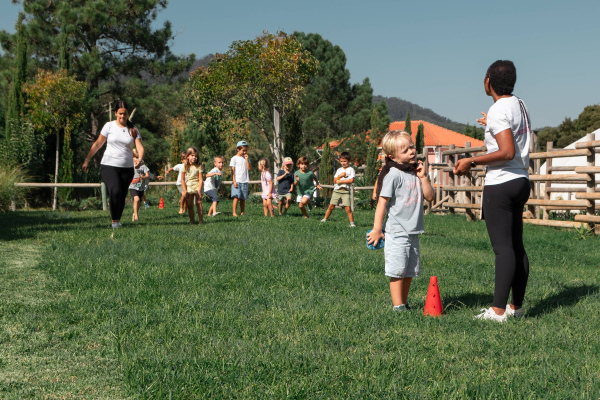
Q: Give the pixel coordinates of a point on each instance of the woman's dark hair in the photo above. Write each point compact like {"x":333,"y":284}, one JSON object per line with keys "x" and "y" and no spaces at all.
{"x":503,"y":76}
{"x":130,"y":126}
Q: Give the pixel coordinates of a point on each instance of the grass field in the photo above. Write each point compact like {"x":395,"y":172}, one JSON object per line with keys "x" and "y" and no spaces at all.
{"x":282,"y":308}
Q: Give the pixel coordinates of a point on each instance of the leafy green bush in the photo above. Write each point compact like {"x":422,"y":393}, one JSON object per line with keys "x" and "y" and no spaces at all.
{"x":10,"y":193}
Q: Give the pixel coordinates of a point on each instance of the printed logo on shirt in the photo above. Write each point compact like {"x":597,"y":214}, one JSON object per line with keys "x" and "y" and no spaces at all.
{"x":414,"y":193}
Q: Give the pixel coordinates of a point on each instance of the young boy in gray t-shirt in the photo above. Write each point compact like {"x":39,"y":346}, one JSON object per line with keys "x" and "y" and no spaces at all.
{"x":402,"y":183}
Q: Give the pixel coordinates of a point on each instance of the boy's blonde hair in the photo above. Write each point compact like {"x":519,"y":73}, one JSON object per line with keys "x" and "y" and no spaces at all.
{"x":218,"y":158}
{"x":391,"y":142}
{"x":136,"y":154}
{"x":264,"y":162}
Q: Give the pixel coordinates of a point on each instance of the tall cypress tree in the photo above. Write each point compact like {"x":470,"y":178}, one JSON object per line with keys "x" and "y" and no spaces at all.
{"x":407,"y":126}
{"x":326,"y":168}
{"x":67,"y":162}
{"x":175,"y":148}
{"x":64,"y":58}
{"x":16,"y":99}
{"x":420,"y":139}
{"x":371,"y":170}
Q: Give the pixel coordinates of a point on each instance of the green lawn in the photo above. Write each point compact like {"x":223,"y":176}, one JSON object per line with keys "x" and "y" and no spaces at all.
{"x":282,"y":308}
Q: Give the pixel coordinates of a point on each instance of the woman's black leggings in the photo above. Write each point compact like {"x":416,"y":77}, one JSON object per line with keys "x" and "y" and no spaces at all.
{"x":117,"y":182}
{"x":503,"y":213}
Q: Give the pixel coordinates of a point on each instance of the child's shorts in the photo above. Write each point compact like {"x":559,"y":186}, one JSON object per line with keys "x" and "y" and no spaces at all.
{"x":402,"y":255}
{"x":134,"y":192}
{"x":214,"y":197}
{"x":340,"y":196}
{"x":299,"y":198}
{"x":266,"y":196}
{"x":180,"y":188}
{"x":240,"y":192}
{"x":287,"y":195}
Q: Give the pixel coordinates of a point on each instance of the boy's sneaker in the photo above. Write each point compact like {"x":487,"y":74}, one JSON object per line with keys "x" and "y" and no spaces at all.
{"x":116,"y":225}
{"x":401,"y":307}
{"x":146,"y":205}
{"x":510,"y":313}
{"x":324,"y":220}
{"x":489,"y":314}
{"x":216,"y":213}
{"x":352,"y":225}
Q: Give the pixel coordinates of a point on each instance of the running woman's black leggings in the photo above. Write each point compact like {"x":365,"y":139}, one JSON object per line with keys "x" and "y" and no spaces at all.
{"x":117,"y":182}
{"x":503,"y":213}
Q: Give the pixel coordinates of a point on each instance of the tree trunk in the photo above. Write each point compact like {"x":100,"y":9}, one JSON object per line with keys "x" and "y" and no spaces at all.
{"x":277,"y":147}
{"x":56,"y":170}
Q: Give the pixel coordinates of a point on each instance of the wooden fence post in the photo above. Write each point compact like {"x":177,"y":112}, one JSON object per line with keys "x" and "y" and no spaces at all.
{"x":591,"y":184}
{"x":103,"y":190}
{"x":548,"y":184}
{"x":469,"y":182}
{"x":352,"y":197}
{"x":426,"y":169}
{"x":532,"y":165}
{"x":453,"y":179}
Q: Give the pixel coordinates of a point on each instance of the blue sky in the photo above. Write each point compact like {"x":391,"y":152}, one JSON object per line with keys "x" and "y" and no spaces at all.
{"x":433,"y":53}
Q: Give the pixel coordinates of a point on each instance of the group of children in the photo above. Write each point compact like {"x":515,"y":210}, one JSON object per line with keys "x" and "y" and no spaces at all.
{"x":190,"y":181}
{"x":400,"y":189}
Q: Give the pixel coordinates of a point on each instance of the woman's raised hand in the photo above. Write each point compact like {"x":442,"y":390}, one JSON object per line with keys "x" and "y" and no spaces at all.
{"x":483,"y":120}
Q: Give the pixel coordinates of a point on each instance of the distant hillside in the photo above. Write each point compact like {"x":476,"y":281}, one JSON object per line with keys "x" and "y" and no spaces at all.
{"x":398,"y":108}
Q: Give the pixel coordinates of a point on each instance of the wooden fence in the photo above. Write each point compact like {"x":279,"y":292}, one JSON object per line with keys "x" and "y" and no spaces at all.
{"x":462,"y":194}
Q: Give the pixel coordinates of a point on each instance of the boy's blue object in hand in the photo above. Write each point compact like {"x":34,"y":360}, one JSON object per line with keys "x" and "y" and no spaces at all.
{"x":377,"y":246}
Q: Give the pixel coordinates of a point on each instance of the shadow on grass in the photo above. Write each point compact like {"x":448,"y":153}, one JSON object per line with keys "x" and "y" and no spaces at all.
{"x":468,"y":300}
{"x":567,"y":297}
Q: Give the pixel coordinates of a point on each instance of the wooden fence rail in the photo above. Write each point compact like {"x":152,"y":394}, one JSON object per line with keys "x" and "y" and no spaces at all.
{"x":462,"y":194}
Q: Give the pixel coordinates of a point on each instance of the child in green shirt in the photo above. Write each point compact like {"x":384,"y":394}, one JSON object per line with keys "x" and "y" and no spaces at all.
{"x":305,"y":182}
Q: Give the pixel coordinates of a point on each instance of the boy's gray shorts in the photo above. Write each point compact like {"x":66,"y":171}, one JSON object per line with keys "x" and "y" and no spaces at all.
{"x":402,"y":255}
{"x":180,"y":188}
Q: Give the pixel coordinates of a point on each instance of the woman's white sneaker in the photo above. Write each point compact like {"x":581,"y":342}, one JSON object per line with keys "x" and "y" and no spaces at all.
{"x":490,"y":314}
{"x":510,"y":313}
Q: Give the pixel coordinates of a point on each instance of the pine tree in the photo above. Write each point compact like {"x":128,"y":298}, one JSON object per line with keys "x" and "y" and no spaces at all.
{"x":420,"y":139}
{"x":407,"y":127}
{"x":326,"y":168}
{"x":16,"y":99}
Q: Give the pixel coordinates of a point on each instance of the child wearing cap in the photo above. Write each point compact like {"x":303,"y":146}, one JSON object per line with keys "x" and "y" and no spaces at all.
{"x":240,"y":165}
{"x":285,"y":185}
{"x":342,"y":180}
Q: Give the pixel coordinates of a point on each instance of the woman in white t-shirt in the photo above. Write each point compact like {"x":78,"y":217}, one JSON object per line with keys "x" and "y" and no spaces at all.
{"x":507,"y":136}
{"x":116,"y":167}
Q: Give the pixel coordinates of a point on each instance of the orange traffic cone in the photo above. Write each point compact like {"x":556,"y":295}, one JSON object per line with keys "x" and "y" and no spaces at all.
{"x":433,"y":304}
{"x":161,"y":205}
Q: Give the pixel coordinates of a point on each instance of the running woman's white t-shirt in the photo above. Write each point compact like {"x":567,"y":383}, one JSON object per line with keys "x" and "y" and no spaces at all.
{"x":507,"y":113}
{"x":118,"y":146}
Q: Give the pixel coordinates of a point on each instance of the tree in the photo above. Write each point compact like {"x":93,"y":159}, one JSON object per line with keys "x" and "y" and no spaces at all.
{"x":67,"y":161}
{"x":175,"y":148}
{"x":250,"y":82}
{"x":407,"y":124}
{"x":112,"y":41}
{"x":420,"y":139}
{"x":380,"y":121}
{"x":331,"y":107}
{"x":64,"y":57}
{"x":56,"y":101}
{"x":371,"y":169}
{"x":326,"y":168}
{"x":16,"y":101}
